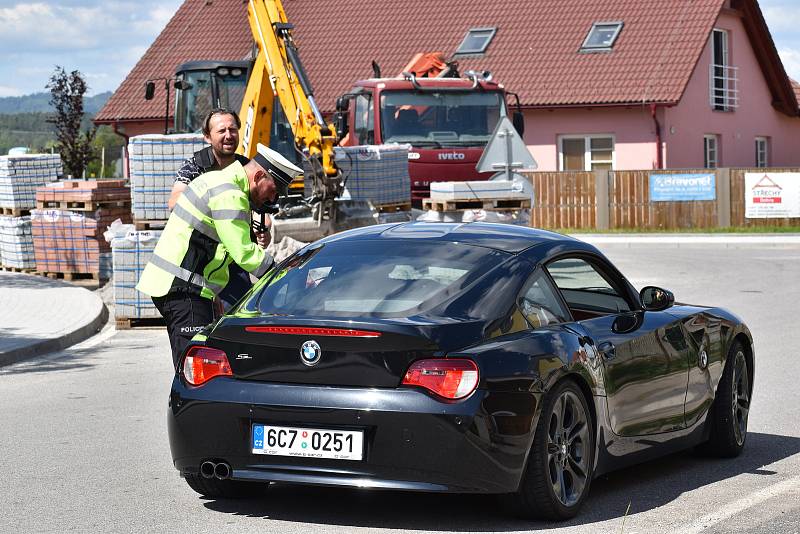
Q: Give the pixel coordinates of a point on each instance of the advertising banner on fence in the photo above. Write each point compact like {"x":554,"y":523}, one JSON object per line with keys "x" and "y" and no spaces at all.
{"x":771,"y":195}
{"x":682,"y":187}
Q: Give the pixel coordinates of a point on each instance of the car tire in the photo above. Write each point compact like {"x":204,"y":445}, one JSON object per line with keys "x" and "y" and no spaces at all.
{"x":727,"y":418}
{"x":224,"y":489}
{"x":561,"y":461}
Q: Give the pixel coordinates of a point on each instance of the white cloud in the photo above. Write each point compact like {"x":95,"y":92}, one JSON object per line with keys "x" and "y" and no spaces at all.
{"x":790,"y":57}
{"x":59,"y":27}
{"x":781,"y":17}
{"x":9,"y":91}
{"x":101,"y":38}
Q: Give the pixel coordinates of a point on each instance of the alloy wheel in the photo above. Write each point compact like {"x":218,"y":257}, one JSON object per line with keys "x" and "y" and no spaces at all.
{"x":568,"y":441}
{"x":740,"y":398}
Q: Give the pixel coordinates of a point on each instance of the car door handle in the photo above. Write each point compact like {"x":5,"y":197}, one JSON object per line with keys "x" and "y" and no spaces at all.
{"x":608,"y":350}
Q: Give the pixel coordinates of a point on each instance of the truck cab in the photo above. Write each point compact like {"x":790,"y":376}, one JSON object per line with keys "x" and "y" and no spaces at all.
{"x":447,"y":122}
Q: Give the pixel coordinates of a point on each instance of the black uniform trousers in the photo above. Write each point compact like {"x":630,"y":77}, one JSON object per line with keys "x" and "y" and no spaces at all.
{"x":185,"y":314}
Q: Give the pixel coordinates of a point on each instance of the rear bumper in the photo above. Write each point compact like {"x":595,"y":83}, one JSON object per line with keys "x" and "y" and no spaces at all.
{"x":411,"y":440}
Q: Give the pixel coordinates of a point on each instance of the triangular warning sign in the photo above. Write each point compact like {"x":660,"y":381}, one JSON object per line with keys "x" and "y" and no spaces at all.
{"x":506,"y":150}
{"x":766,"y":181}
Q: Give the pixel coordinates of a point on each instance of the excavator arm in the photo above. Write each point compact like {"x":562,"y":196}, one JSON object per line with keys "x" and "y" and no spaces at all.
{"x":278,"y":72}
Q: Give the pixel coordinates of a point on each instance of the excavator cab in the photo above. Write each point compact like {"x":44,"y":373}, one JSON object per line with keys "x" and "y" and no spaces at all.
{"x":201,"y":86}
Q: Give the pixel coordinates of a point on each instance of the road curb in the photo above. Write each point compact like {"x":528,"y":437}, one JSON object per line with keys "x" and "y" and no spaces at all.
{"x":677,"y":240}
{"x":51,"y":345}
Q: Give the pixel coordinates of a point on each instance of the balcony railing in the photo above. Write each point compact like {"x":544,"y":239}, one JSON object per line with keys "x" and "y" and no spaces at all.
{"x":723,"y":87}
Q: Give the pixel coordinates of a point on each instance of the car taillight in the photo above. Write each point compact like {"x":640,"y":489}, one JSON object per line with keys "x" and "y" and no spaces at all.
{"x":201,"y":364}
{"x":451,"y":379}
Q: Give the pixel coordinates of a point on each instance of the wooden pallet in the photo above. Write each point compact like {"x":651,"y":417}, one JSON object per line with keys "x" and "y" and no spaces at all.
{"x":17,"y":269}
{"x":14,"y":212}
{"x":497,"y":204}
{"x":393,"y":207}
{"x":127,"y":323}
{"x":75,"y":205}
{"x":150,"y":225}
{"x":68,"y":277}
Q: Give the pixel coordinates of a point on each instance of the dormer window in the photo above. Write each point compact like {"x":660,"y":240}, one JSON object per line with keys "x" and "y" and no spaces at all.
{"x":601,"y":37}
{"x":476,"y":41}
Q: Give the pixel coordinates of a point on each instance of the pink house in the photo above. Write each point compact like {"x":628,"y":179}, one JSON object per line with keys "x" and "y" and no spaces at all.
{"x":622,"y":84}
{"x":699,"y":88}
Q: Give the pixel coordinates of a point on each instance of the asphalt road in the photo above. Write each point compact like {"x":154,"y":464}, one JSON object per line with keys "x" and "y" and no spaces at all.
{"x":84,"y":445}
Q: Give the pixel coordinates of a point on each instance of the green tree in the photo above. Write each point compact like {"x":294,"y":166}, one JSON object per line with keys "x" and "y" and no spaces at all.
{"x":66,"y":96}
{"x":112,"y":143}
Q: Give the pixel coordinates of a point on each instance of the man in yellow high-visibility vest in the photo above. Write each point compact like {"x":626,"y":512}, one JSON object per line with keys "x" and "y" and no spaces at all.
{"x":208,"y":229}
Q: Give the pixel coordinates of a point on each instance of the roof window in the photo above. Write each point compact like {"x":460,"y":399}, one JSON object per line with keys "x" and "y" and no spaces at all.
{"x":476,"y":41}
{"x":601,"y":37}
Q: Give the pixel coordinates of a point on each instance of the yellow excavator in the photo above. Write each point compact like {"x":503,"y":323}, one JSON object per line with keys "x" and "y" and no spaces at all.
{"x":278,"y":79}
{"x":456,"y":116}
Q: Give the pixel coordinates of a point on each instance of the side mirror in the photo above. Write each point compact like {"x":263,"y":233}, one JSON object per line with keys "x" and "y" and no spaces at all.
{"x":149,"y":90}
{"x":518,"y":120}
{"x":341,"y":122}
{"x":342,"y":103}
{"x":656,"y":299}
{"x":182,"y":85}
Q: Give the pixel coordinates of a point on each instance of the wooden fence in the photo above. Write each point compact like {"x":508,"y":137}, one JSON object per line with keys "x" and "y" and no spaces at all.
{"x":621,"y":200}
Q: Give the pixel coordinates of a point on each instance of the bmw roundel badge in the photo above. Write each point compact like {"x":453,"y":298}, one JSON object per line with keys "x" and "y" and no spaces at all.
{"x":310,"y":353}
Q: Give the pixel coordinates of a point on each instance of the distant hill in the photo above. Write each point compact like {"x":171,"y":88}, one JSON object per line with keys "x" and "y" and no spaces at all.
{"x":39,"y":102}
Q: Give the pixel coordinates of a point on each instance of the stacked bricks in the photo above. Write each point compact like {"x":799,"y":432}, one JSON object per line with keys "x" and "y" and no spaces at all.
{"x":154,"y":160}
{"x":19,"y":178}
{"x":131,"y":253}
{"x":378,"y":173}
{"x":69,"y":223}
{"x":21,"y":175}
{"x":16,"y":243}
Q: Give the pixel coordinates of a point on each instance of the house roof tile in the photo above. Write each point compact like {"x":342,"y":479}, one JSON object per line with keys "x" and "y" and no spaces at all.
{"x":190,"y":35}
{"x":535,"y":52}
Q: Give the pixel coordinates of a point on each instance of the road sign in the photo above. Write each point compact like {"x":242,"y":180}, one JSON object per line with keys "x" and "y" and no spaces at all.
{"x":506,"y":151}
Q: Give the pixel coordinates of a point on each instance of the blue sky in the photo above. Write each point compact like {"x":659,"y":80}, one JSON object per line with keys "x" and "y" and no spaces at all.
{"x":104,"y":38}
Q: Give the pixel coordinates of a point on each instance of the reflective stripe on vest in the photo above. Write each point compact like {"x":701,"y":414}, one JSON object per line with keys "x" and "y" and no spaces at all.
{"x":201,"y":203}
{"x":198,"y":224}
{"x":184,"y":274}
{"x":219,"y":215}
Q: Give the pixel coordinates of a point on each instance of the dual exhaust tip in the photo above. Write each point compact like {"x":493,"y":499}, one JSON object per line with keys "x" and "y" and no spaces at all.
{"x":220,"y":471}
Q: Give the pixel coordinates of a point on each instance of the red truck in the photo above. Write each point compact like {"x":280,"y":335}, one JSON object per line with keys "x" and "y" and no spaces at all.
{"x":447,"y":121}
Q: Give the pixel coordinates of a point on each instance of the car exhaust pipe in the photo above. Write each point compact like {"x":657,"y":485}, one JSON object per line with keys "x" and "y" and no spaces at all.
{"x":222,"y":471}
{"x":207,"y":469}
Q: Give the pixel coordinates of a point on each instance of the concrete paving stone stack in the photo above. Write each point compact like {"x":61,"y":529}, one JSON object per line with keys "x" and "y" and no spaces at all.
{"x":131,"y":253}
{"x":378,"y":173}
{"x":154,"y":160}
{"x":477,"y":190}
{"x":16,"y":242}
{"x":69,"y":224}
{"x":21,"y":175}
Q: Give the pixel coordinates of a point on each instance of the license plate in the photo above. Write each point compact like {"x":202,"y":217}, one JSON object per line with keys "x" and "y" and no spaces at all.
{"x":308,"y":442}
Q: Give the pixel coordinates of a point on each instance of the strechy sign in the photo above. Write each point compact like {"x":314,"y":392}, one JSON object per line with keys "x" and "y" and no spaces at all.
{"x":772,"y":195}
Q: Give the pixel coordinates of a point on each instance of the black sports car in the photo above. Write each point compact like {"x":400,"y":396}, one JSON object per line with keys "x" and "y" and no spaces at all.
{"x":458,"y":358}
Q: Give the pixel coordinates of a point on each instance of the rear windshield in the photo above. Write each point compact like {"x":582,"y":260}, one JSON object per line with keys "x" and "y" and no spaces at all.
{"x":372,"y":278}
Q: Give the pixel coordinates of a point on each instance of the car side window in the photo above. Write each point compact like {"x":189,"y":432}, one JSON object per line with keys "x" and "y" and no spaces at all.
{"x":587,"y":291}
{"x":540,"y":304}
